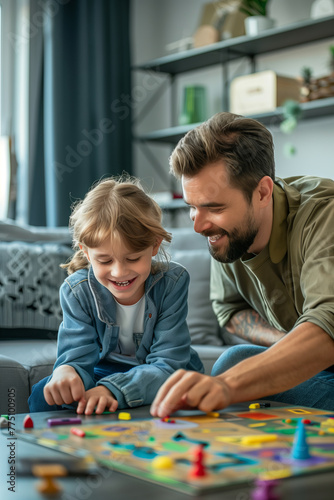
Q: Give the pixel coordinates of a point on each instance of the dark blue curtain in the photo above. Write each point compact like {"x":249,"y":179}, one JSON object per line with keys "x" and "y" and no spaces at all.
{"x":80,"y":102}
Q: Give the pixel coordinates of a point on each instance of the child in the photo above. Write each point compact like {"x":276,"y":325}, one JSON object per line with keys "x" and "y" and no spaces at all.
{"x":124,"y":327}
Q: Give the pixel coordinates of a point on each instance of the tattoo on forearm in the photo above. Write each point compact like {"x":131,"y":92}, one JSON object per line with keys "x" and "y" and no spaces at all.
{"x":250,"y":326}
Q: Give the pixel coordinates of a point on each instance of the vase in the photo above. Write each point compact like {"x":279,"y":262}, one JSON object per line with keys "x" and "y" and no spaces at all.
{"x":256,"y":24}
{"x":194,"y":105}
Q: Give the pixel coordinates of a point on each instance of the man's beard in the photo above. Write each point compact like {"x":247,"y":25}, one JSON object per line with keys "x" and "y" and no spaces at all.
{"x":238,"y":243}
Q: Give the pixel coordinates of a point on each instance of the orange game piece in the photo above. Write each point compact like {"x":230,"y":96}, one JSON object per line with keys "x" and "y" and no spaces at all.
{"x":27,"y":422}
{"x":48,"y":472}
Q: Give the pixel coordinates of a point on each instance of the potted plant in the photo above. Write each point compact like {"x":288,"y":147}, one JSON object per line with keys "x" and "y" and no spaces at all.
{"x":257,"y":19}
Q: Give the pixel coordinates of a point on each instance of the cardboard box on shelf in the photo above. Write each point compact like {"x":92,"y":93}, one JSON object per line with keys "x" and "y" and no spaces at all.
{"x":262,"y":92}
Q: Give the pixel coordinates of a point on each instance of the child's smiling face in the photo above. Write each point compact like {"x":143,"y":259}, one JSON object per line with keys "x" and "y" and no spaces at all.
{"x":122,"y":271}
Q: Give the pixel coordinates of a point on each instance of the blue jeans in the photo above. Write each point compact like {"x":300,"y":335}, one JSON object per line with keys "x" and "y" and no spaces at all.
{"x":317,"y":392}
{"x":37,"y":401}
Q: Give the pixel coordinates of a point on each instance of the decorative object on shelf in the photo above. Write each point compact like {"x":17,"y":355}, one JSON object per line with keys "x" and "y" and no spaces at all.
{"x":306,"y":75}
{"x":180,"y":45}
{"x":257,"y":20}
{"x":318,"y":88}
{"x":261,"y":92}
{"x":194,"y":105}
{"x":291,"y":115}
{"x":219,"y":21}
{"x":322,"y":8}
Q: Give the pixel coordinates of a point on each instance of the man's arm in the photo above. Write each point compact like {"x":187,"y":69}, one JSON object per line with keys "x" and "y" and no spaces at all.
{"x":249,"y":325}
{"x":300,"y":355}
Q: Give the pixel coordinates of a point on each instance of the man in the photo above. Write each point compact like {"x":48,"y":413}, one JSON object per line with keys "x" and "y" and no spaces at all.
{"x":272,"y":243}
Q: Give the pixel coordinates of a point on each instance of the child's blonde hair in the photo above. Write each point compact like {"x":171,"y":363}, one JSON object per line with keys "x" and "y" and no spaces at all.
{"x":115,"y":207}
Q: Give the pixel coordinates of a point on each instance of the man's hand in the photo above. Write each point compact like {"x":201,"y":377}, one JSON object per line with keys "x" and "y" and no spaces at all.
{"x":65,"y":386}
{"x":98,"y":398}
{"x":188,"y":389}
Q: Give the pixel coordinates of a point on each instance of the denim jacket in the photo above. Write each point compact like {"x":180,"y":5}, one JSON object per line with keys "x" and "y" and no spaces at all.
{"x":88,"y":333}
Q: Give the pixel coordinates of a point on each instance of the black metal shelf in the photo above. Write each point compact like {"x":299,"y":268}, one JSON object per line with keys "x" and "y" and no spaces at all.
{"x":313,"y":109}
{"x":228,"y":50}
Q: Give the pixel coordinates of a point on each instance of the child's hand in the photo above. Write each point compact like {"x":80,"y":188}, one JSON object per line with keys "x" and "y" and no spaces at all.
{"x":65,"y":386}
{"x":100,"y":398}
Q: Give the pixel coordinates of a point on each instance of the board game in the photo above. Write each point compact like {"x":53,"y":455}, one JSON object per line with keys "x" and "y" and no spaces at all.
{"x":236,"y":446}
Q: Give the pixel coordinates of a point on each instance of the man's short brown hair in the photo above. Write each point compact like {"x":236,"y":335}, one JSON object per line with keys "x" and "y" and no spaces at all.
{"x":245,"y":146}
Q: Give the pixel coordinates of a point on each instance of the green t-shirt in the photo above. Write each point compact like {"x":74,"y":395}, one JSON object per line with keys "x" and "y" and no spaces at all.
{"x":292,"y":279}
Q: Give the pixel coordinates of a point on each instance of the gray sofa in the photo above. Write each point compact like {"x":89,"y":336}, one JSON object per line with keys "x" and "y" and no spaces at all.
{"x":30,"y":278}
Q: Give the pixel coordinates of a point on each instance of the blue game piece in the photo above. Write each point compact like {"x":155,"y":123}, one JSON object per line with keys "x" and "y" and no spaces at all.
{"x":300,"y":449}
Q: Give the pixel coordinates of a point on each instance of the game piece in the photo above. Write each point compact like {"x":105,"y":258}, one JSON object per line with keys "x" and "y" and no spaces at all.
{"x":264,"y":490}
{"x":255,"y":406}
{"x":123,"y":415}
{"x":5,"y":416}
{"x":48,"y":485}
{"x":162,"y":462}
{"x":213,"y":414}
{"x":27,"y":422}
{"x":63,"y":421}
{"x":306,"y":421}
{"x":198,"y":469}
{"x":3,"y":423}
{"x":300,"y":447}
{"x":257,"y":439}
{"x":78,"y":432}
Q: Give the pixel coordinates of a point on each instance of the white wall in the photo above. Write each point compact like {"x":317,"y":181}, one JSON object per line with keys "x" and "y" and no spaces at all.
{"x":155,"y":23}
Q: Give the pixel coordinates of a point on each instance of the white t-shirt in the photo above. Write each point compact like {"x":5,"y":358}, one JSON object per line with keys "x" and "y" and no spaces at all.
{"x":130,"y":320}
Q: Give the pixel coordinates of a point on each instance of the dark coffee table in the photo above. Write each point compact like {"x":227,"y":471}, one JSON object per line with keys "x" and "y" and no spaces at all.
{"x":111,"y":485}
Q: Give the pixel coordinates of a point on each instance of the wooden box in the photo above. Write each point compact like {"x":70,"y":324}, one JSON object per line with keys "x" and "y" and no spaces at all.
{"x":261,"y":92}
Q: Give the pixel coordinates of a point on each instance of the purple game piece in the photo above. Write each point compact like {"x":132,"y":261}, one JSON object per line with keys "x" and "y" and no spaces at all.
{"x":264,"y":490}
{"x":63,"y":421}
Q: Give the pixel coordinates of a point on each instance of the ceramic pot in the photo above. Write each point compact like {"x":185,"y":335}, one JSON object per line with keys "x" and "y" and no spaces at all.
{"x":256,"y":24}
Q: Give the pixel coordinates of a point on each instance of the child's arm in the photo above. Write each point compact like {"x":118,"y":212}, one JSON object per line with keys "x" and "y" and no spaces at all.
{"x":77,"y":337}
{"x":64,"y":387}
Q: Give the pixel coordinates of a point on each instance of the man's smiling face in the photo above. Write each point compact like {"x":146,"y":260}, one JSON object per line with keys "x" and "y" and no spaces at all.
{"x":220,"y":212}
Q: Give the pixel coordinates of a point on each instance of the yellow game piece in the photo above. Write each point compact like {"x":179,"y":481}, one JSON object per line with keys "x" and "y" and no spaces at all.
{"x":258,"y":439}
{"x":123,"y":415}
{"x":162,"y":462}
{"x":254,"y":406}
{"x":48,"y":472}
{"x":213,"y":414}
{"x":275,"y":474}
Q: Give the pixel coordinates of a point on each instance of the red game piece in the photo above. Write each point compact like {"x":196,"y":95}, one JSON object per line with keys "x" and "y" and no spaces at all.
{"x":27,"y":422}
{"x":198,"y":469}
{"x":77,"y":432}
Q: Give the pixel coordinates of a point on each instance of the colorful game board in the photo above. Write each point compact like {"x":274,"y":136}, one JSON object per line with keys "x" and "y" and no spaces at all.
{"x":238,"y":446}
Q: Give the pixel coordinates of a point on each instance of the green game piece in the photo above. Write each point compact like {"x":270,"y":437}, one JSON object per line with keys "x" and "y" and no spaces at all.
{"x":5,"y":416}
{"x":151,"y":439}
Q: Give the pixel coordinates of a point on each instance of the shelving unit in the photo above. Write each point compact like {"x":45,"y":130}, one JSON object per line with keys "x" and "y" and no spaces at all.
{"x":312,"y":109}
{"x":224,"y":52}
{"x":229,"y":50}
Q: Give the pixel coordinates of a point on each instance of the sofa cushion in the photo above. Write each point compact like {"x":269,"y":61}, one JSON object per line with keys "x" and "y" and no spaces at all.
{"x":14,"y":386}
{"x":30,"y":278}
{"x":11,"y":230}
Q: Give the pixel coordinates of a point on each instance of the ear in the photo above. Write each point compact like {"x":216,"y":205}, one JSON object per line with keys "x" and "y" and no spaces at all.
{"x":264,"y":191}
{"x":85,"y":251}
{"x":156,"y":248}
